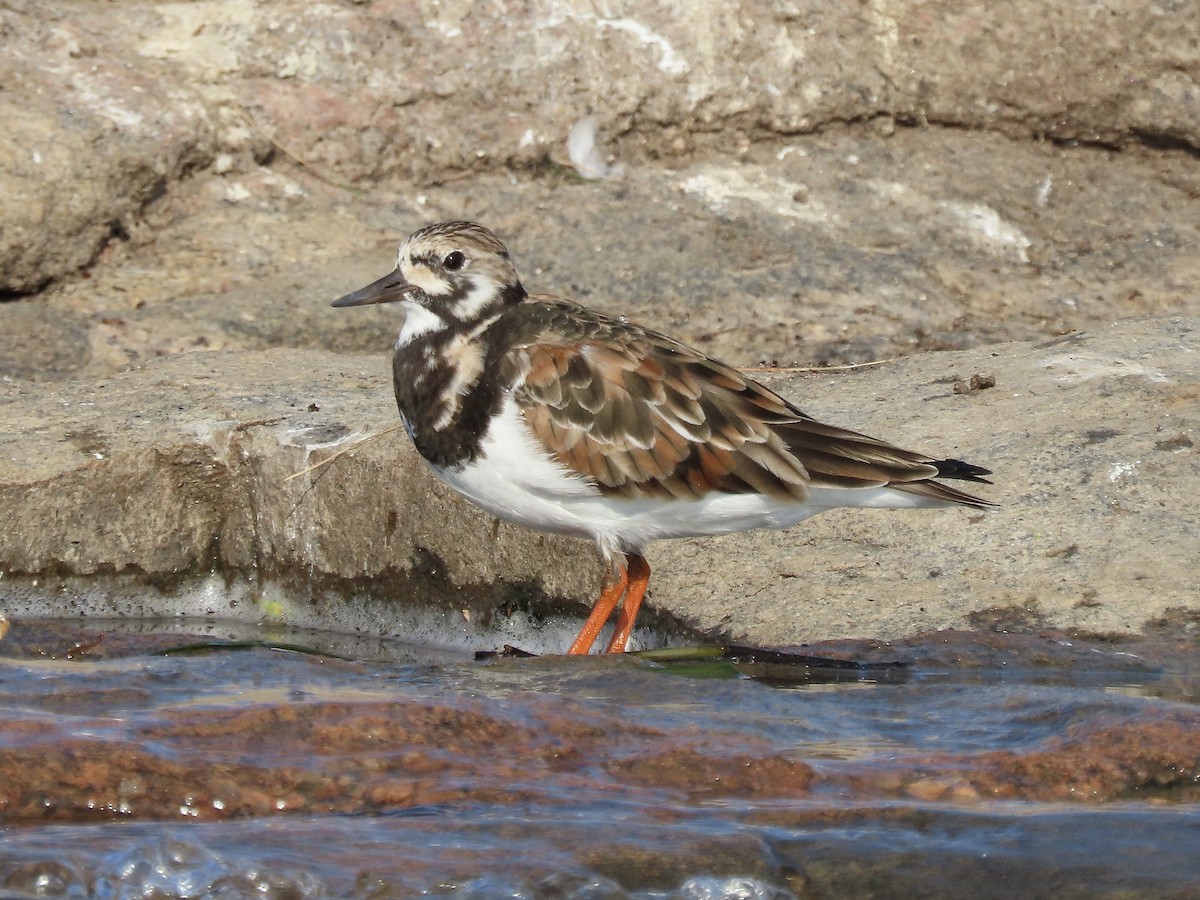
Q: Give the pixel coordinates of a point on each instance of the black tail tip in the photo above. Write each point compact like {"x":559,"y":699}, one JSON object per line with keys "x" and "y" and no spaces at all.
{"x":964,"y":471}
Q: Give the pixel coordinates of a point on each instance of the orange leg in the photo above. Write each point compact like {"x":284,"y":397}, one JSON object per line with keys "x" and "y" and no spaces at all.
{"x":601,"y":611}
{"x":639,"y":578}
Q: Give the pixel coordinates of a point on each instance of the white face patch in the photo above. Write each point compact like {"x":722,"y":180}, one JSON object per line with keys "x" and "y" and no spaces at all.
{"x":482,"y":294}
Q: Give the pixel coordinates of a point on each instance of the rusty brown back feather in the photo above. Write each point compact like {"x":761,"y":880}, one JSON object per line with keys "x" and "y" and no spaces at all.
{"x":644,"y":415}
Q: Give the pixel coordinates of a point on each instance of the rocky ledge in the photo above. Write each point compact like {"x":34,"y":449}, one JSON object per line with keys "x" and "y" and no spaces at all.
{"x":187,"y":185}
{"x":269,"y":481}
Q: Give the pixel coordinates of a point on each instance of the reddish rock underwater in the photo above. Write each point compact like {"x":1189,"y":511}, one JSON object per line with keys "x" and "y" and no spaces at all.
{"x":220,"y":760}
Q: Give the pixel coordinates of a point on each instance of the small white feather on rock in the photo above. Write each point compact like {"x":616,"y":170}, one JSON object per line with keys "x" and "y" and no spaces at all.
{"x":581,"y":148}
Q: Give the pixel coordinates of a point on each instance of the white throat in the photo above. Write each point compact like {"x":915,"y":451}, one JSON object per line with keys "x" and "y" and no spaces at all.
{"x":418,"y":321}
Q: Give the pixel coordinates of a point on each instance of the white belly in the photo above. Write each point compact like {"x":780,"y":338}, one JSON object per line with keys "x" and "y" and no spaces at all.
{"x":515,"y":479}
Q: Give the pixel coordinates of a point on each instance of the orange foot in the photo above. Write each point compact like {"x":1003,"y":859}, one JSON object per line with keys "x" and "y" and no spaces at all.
{"x":630,"y":581}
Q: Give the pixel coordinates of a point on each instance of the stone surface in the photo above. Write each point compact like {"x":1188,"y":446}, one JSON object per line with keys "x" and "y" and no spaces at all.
{"x":110,"y":106}
{"x":187,"y":185}
{"x":1092,"y":438}
{"x":183,"y":466}
{"x":832,"y":249}
{"x":90,"y":138}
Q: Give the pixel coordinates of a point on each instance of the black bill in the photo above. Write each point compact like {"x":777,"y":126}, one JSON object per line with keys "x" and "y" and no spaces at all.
{"x":388,"y":289}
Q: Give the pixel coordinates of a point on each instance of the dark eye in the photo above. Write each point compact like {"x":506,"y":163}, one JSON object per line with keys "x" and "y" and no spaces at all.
{"x":454,"y":261}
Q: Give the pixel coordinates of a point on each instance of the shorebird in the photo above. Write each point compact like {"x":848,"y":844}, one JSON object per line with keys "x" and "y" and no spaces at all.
{"x":560,"y":418}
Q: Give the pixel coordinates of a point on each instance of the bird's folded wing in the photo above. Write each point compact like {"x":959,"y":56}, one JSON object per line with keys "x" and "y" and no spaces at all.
{"x":640,"y":414}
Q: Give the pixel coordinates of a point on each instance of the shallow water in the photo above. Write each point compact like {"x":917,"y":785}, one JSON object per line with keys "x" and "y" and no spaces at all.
{"x":987,"y":766}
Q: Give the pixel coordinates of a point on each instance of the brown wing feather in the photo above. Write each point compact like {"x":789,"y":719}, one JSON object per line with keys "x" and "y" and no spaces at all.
{"x":643,"y":415}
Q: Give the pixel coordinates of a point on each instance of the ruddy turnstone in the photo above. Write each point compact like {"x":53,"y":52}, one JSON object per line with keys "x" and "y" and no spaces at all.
{"x":560,"y":418}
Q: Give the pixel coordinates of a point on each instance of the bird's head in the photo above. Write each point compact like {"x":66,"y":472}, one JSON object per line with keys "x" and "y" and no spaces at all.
{"x":459,"y":271}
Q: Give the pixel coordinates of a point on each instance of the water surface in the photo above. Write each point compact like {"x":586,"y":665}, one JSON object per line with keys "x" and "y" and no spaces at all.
{"x":985,"y":766}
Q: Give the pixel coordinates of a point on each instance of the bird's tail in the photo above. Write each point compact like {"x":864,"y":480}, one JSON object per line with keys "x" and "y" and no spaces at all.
{"x":945,"y":493}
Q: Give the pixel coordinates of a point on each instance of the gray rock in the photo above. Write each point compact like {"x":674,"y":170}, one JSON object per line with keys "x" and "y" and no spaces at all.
{"x":924,"y":240}
{"x":90,"y":139}
{"x":107,"y":108}
{"x":160,"y":475}
{"x":805,"y":184}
